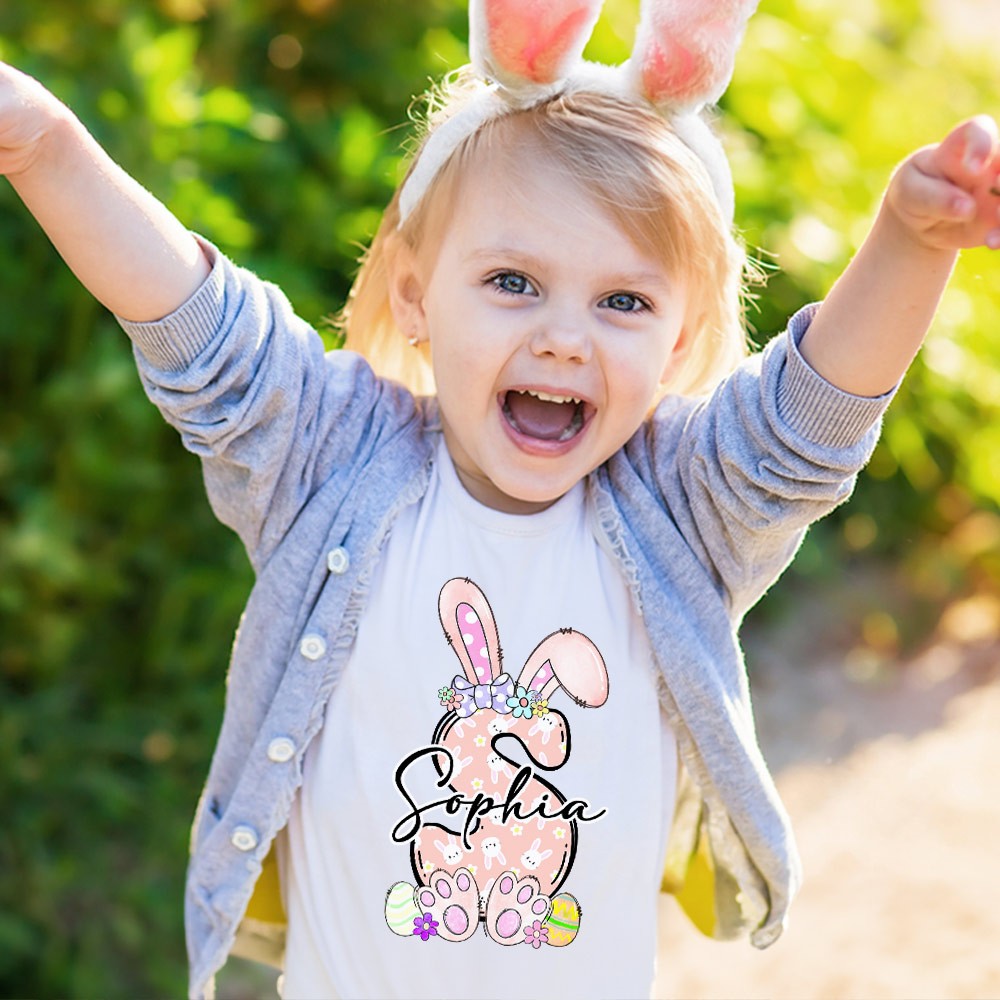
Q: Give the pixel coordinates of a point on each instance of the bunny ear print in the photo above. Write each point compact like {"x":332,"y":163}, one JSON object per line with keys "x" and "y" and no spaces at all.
{"x":567,"y":660}
{"x":685,"y":50}
{"x":471,"y":629}
{"x":520,"y":42}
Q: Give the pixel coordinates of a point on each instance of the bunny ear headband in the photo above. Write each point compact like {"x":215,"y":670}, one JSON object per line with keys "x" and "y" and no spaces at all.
{"x":532,"y":50}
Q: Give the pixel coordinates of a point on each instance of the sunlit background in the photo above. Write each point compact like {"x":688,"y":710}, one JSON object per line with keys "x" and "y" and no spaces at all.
{"x":274,"y":128}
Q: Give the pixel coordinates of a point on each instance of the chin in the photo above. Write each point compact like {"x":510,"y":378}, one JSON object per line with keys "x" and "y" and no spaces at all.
{"x":535,"y":492}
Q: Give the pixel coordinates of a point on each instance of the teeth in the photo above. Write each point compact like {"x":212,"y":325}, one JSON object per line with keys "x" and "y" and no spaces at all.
{"x":547,"y":397}
{"x":574,"y":427}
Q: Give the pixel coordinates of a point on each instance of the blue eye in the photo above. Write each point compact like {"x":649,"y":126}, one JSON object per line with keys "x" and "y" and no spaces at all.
{"x":512,"y":283}
{"x":625,"y":302}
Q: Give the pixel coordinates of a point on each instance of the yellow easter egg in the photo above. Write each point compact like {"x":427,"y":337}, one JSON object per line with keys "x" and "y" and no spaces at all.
{"x":563,"y":922}
{"x":400,"y":909}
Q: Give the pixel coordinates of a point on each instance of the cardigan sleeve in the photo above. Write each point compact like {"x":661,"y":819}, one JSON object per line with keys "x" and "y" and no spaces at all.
{"x":745,"y":471}
{"x":253,"y":392}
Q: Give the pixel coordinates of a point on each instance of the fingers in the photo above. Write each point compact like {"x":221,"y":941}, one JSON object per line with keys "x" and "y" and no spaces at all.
{"x":968,"y":150}
{"x":931,"y":198}
{"x":950,"y":192}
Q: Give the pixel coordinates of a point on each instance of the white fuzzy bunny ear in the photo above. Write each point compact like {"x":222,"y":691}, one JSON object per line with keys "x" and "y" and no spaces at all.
{"x":532,"y":49}
{"x":529,"y":43}
{"x":685,"y":50}
{"x":529,"y":48}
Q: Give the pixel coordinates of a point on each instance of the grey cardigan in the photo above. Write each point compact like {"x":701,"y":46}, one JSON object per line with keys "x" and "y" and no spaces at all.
{"x":309,"y":457}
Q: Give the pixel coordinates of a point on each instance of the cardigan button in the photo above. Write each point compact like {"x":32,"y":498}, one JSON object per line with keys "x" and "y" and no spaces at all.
{"x":280,"y":750}
{"x":244,"y":838}
{"x":312,"y":647}
{"x":338,"y":560}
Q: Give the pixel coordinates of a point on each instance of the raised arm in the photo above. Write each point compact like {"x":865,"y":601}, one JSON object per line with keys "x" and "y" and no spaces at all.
{"x":124,"y":245}
{"x":941,"y":199}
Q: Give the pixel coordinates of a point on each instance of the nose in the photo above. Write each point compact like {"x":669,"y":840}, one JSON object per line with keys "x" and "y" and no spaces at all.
{"x":563,"y":336}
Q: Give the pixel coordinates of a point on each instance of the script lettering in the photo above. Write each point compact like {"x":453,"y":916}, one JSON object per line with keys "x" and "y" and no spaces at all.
{"x":481,"y":805}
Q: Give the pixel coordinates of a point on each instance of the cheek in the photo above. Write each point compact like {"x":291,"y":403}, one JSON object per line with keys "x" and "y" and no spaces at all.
{"x":633,"y":386}
{"x":466,"y":360}
{"x":464,"y":385}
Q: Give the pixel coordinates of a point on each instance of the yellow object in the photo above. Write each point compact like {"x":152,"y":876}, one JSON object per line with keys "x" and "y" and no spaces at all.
{"x":563,"y":922}
{"x":265,"y":904}
{"x":696,"y":892}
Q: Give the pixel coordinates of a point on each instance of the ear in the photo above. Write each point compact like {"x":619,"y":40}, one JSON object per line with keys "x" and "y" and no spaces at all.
{"x":569,"y":660}
{"x":678,"y":354}
{"x":471,"y":630}
{"x":524,"y":42}
{"x":685,"y":50}
{"x":406,"y":291}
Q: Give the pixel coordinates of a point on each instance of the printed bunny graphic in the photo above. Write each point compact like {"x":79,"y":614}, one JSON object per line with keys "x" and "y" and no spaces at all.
{"x":450,"y":851}
{"x":506,"y":813}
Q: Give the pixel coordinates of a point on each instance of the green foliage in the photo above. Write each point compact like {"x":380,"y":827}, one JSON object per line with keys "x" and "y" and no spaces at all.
{"x":116,"y":614}
{"x":273,"y":128}
{"x":827,"y":98}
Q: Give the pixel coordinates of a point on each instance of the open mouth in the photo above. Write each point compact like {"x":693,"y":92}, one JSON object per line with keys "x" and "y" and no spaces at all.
{"x":545,"y":416}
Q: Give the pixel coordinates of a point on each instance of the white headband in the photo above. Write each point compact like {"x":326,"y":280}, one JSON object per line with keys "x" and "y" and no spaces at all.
{"x":532,"y":50}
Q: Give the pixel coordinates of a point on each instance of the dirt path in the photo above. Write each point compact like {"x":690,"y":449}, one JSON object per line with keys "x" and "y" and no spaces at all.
{"x":894,"y":789}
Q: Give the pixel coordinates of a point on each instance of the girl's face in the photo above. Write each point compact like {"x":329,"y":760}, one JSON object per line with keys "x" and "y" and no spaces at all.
{"x":549,"y":332}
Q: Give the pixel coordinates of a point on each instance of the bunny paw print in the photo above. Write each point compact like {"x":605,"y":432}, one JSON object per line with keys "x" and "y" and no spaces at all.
{"x":516,"y":910}
{"x":451,"y":902}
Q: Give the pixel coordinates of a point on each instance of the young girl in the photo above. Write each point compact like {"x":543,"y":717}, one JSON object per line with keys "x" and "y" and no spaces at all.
{"x":559,"y":258}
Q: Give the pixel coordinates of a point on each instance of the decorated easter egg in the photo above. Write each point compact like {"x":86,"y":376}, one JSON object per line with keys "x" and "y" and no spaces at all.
{"x":400,"y":909}
{"x":564,"y":920}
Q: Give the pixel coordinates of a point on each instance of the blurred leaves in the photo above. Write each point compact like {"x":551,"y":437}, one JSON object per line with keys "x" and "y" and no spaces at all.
{"x":274,"y":128}
{"x":826,"y":99}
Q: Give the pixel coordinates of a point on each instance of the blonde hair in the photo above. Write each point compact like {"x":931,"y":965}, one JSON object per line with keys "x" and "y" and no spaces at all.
{"x":633,"y":163}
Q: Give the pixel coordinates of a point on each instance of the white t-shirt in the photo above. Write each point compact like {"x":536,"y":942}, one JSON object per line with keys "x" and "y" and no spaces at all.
{"x":587,"y":834}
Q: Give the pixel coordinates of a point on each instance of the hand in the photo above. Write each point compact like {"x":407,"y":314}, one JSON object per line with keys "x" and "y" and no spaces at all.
{"x":27,"y":114}
{"x":124,"y":245}
{"x":948,"y":196}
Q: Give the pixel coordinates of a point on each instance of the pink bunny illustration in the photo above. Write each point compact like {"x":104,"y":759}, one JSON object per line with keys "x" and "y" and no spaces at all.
{"x":513,"y":795}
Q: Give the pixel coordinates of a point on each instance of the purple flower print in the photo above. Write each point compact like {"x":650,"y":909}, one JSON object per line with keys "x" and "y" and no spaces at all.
{"x":424,"y":927}
{"x":536,"y":934}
